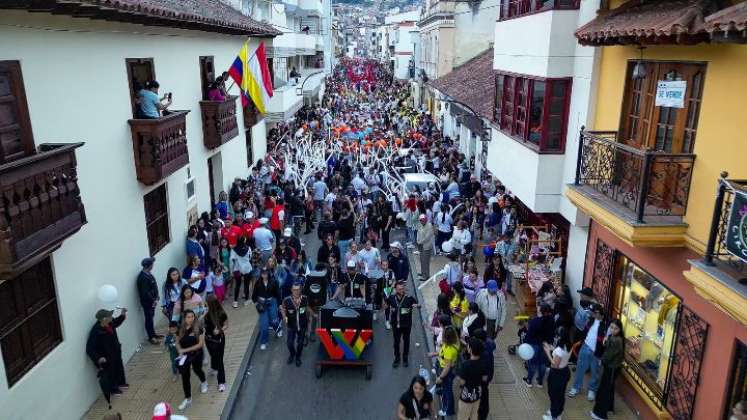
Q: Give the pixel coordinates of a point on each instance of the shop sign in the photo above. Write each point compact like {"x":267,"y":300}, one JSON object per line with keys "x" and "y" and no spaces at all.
{"x":736,"y":238}
{"x":671,"y":93}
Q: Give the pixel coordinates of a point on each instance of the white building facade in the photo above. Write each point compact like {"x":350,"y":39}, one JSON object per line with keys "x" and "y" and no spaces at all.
{"x":543,"y":96}
{"x":123,"y":201}
{"x":400,"y":41}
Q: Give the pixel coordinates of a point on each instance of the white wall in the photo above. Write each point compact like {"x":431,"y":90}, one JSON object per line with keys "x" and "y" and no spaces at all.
{"x":547,"y":44}
{"x":77,"y":88}
{"x":474,"y":32}
{"x":535,"y":178}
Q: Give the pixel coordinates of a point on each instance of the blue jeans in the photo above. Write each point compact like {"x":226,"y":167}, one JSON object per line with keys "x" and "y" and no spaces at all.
{"x":343,"y":244}
{"x":586,"y":361}
{"x":537,"y":365}
{"x":268,"y":318}
{"x":447,"y":392}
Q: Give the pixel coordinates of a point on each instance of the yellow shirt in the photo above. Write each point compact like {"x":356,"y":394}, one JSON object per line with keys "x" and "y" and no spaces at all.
{"x":460,"y":309}
{"x":447,"y":354}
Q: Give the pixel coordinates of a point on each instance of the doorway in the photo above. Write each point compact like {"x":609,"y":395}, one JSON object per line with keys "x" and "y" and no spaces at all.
{"x":215,"y":177}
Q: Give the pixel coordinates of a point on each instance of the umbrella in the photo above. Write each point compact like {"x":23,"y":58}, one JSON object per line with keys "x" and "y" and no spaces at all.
{"x":105,"y":386}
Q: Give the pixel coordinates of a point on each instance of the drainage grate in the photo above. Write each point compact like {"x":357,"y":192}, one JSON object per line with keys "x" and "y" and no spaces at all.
{"x":503,"y":373}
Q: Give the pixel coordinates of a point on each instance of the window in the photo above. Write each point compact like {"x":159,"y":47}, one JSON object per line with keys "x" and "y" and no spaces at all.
{"x":516,"y":8}
{"x":139,"y":72}
{"x":157,"y":219}
{"x":738,"y":386}
{"x":668,"y":129}
{"x":29,"y":319}
{"x":16,"y":138}
{"x":649,"y":312}
{"x":533,"y":110}
{"x":207,"y":74}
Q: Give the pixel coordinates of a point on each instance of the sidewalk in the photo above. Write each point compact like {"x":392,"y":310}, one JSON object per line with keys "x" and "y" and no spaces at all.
{"x":510,"y":399}
{"x":150,"y":378}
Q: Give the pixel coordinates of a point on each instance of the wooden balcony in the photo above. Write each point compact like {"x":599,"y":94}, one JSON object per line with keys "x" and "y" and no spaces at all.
{"x":219,"y":124}
{"x":641,"y":195}
{"x":159,"y":146}
{"x":40,"y":205}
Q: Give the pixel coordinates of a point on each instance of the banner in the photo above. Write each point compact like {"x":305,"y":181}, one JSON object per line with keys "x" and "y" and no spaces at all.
{"x":736,"y":229}
{"x":671,"y":93}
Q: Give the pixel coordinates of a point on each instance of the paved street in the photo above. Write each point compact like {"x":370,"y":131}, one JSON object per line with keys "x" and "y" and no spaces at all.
{"x":274,"y":389}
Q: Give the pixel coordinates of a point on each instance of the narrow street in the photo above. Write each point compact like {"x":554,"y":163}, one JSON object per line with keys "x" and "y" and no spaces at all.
{"x":274,"y":389}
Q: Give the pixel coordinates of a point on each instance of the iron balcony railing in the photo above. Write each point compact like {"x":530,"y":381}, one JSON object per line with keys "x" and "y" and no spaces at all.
{"x":515,"y":8}
{"x":716,"y":249}
{"x":648,"y":183}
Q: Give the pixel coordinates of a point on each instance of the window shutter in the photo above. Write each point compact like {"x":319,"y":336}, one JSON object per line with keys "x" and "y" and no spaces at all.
{"x":687,"y":358}
{"x":16,"y":139}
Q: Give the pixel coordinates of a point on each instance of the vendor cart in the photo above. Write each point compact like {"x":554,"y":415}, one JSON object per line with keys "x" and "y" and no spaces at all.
{"x":345,"y":336}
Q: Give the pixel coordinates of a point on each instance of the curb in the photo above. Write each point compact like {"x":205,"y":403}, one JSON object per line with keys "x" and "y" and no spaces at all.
{"x":423,"y":315}
{"x":241,"y":375}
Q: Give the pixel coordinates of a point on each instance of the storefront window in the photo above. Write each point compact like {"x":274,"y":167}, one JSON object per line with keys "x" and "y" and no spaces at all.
{"x":738,"y":388}
{"x":648,"y":311}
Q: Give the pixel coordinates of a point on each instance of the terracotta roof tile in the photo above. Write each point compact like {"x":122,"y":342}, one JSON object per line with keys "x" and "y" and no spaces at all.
{"x":205,"y":15}
{"x":731,"y":19}
{"x":472,"y":83}
{"x":639,"y":21}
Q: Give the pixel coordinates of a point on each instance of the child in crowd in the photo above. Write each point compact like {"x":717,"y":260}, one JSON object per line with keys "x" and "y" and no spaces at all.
{"x":218,"y":282}
{"x":170,"y":344}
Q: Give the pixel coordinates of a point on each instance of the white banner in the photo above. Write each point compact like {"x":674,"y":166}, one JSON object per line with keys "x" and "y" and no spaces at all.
{"x":671,"y":94}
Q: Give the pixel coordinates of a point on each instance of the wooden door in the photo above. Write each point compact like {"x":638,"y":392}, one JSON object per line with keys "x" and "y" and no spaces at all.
{"x":207,"y":74}
{"x":16,"y":138}
{"x":667,"y":129}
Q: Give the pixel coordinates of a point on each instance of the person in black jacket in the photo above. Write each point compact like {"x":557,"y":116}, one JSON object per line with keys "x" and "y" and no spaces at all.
{"x":104,"y":349}
{"x":326,"y":227}
{"x":328,"y":248}
{"x":487,"y":359}
{"x":399,"y":263}
{"x":147,"y":289}
{"x":295,"y":310}
{"x":400,"y":307}
{"x":540,"y":330}
{"x":266,"y":296}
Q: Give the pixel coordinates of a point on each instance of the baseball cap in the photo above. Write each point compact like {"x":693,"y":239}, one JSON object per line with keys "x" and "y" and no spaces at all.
{"x":351,"y":264}
{"x":147,"y":262}
{"x":586,"y":291}
{"x":492,"y":285}
{"x":103,"y":313}
{"x":597,"y":308}
{"x":263,"y":221}
{"x":287,"y":232}
{"x":249,"y":215}
{"x":162,"y":411}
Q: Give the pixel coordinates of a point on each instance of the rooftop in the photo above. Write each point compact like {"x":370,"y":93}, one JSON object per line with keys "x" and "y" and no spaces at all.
{"x":471,"y":83}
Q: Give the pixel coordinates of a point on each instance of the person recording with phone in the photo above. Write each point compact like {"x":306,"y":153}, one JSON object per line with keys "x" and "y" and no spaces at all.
{"x":149,"y":104}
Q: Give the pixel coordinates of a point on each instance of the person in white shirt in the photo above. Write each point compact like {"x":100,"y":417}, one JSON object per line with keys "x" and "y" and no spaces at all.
{"x":589,"y":357}
{"x":443,"y":222}
{"x":492,"y":302}
{"x":461,"y":238}
{"x":370,"y":256}
{"x":358,"y":183}
{"x":263,"y":240}
{"x":557,"y":379}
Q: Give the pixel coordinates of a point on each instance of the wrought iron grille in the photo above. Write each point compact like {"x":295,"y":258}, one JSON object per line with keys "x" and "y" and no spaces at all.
{"x":716,"y":251}
{"x":647,"y":183}
{"x":601,"y":282}
{"x":692,"y":332}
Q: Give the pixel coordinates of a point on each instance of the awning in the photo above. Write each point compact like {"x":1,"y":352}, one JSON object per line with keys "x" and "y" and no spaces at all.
{"x":728,"y":25}
{"x":649,"y":22}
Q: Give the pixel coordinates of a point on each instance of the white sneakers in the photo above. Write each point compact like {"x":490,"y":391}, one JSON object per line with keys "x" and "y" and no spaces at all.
{"x":594,"y":416}
{"x":549,"y":417}
{"x":279,"y":331}
{"x":375,"y":317}
{"x":591,"y":395}
{"x":235,"y":304}
{"x":221,"y":387}
{"x":186,"y":403}
{"x":572,"y":393}
{"x":246,"y":303}
{"x":263,"y":346}
{"x":441,"y":413}
{"x":388,"y":325}
{"x":204,"y":387}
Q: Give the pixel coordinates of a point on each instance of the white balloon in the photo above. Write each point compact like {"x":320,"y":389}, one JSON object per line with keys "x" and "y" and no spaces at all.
{"x":525,"y":351}
{"x":447,"y":247}
{"x":108,"y":293}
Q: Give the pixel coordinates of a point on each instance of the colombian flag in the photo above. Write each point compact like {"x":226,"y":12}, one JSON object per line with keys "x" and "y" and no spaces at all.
{"x":252,"y":75}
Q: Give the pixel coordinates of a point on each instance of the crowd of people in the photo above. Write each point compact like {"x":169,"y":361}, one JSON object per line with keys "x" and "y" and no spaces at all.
{"x":248,"y":251}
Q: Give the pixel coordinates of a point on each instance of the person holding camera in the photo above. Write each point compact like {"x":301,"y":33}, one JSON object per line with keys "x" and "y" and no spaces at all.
{"x":149,"y":104}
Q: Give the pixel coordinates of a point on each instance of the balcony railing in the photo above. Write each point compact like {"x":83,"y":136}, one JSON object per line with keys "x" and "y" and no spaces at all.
{"x":40,"y":205}
{"x":652,"y":186}
{"x":159,"y":145}
{"x":515,"y":8}
{"x":731,"y":260}
{"x":219,"y":123}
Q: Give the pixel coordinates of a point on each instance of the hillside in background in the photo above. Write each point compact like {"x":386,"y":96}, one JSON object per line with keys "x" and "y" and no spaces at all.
{"x":384,"y":6}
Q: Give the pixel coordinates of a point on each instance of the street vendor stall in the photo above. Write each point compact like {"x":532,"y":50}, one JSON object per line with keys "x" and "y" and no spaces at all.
{"x":538,"y":262}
